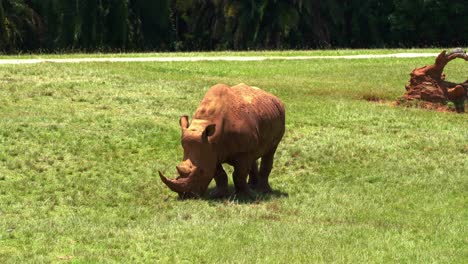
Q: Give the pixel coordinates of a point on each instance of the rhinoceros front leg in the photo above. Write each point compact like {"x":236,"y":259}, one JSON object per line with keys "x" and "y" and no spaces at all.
{"x":221,"y":179}
{"x":241,"y":171}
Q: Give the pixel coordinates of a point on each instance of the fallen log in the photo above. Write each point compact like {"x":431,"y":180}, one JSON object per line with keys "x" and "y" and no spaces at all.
{"x":428,"y":83}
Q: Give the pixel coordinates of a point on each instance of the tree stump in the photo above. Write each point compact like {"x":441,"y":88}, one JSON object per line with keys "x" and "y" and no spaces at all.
{"x":428,"y":83}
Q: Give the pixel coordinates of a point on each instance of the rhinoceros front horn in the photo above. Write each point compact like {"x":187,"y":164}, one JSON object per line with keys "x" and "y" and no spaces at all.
{"x":180,"y":185}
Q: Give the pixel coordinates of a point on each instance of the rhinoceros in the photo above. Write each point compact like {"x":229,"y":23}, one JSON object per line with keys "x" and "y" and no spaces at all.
{"x":234,"y":125}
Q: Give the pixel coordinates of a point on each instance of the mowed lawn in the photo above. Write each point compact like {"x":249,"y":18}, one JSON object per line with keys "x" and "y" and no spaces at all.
{"x":355,"y":181}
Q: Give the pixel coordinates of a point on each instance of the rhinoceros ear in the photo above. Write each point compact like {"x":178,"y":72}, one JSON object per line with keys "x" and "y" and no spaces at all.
{"x":209,"y":131}
{"x":184,"y":122}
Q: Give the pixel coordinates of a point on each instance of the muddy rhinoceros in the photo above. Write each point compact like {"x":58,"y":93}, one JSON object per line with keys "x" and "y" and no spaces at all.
{"x":235,"y":125}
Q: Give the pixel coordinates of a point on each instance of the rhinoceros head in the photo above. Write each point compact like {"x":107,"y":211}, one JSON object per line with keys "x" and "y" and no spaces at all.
{"x":198,"y":166}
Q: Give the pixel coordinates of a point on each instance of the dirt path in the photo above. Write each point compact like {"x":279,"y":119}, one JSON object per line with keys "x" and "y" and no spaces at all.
{"x":230,"y":58}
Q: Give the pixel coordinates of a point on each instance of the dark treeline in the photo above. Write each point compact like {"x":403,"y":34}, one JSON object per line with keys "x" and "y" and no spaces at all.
{"x":173,"y":25}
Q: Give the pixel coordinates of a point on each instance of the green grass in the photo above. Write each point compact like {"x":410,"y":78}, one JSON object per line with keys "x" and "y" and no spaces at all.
{"x":354,"y":181}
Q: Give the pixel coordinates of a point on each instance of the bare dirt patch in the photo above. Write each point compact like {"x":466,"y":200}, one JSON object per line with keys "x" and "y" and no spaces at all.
{"x":419,"y":104}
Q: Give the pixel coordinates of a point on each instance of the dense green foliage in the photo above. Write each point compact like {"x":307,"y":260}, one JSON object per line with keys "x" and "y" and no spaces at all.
{"x":90,"y":25}
{"x":354,"y":181}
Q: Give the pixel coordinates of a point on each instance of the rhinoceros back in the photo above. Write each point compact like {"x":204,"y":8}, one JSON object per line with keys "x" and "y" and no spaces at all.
{"x":268,"y":121}
{"x":249,"y":119}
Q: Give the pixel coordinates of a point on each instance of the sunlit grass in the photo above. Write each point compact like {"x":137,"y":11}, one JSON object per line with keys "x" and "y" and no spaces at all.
{"x":354,"y":181}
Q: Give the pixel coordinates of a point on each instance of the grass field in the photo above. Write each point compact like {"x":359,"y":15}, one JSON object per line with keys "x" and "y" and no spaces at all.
{"x":354,"y":181}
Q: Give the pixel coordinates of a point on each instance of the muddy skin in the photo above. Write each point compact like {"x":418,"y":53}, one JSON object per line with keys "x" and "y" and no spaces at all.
{"x":235,"y":125}
{"x":428,"y":83}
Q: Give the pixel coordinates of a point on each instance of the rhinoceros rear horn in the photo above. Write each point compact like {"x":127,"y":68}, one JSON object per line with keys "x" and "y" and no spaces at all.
{"x":179,"y":186}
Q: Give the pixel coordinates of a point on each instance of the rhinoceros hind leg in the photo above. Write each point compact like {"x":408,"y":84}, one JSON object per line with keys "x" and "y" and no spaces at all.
{"x":265,"y":169}
{"x":221,"y":179}
{"x":241,"y":170}
{"x":253,"y":175}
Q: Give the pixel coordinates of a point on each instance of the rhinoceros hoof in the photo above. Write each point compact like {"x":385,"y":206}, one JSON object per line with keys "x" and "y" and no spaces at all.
{"x":245,"y":193}
{"x":219,"y":194}
{"x":263,"y":188}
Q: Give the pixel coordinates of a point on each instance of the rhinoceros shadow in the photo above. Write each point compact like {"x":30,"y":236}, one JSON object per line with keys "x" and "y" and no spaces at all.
{"x":256,"y":198}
